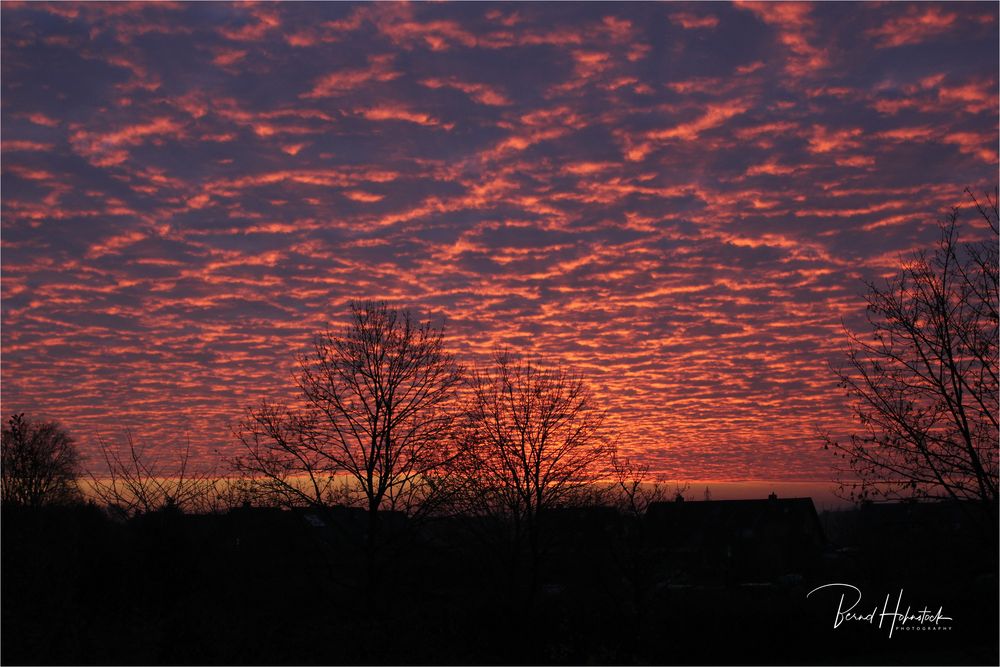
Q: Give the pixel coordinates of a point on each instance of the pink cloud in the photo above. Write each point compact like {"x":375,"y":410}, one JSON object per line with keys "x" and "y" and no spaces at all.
{"x":110,"y":148}
{"x":686,"y":226}
{"x":264,"y":18}
{"x":796,"y":31}
{"x":918,"y":24}
{"x":379,"y":70}
{"x":980,"y":145}
{"x":481,"y":93}
{"x":227,"y":57}
{"x":825,"y":140}
{"x":714,"y":116}
{"x":384,"y":113}
{"x":690,"y":21}
{"x":17,"y":145}
{"x":42,"y":119}
{"x":974,"y":96}
{"x":362,"y":196}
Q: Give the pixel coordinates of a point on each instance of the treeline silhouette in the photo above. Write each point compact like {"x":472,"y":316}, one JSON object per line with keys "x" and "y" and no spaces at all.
{"x":691,"y":582}
{"x":406,"y":509}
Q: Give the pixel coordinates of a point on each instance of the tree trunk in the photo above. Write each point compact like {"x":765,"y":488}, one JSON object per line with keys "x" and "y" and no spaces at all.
{"x":371,"y":550}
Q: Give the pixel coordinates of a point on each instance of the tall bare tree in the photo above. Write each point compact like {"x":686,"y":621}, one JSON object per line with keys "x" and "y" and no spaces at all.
{"x":375,"y":413}
{"x":924,"y":382}
{"x":532,"y":439}
{"x":40,"y":463}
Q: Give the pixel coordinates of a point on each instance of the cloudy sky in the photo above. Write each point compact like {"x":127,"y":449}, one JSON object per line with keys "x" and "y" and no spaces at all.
{"x":680,"y":201}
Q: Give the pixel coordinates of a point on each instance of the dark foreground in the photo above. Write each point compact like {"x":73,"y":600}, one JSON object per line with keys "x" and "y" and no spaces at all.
{"x":269,"y":587}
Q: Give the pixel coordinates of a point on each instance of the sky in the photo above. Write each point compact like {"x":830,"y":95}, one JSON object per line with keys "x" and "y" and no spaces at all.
{"x":679,"y":201}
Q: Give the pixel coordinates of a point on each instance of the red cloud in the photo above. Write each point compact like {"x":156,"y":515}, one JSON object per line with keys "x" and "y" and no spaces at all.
{"x":479,"y":92}
{"x":381,"y":113}
{"x":974,"y":97}
{"x":264,"y":18}
{"x":398,"y":24}
{"x":714,"y":116}
{"x":979,"y":145}
{"x":825,"y":140}
{"x":686,"y":228}
{"x":109,"y":148}
{"x":796,"y":31}
{"x":690,"y":21}
{"x":227,"y":57}
{"x":335,"y":83}
{"x":919,"y":24}
{"x":42,"y":119}
{"x":17,"y":145}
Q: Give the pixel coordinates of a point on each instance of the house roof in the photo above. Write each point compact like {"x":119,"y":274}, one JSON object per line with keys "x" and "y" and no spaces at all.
{"x":784,"y":518}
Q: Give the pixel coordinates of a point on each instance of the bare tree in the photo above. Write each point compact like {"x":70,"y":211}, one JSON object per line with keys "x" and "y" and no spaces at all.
{"x":532,"y":440}
{"x":374,"y":419}
{"x":40,"y":463}
{"x":134,"y":483}
{"x":924,"y":384}
{"x":632,"y":489}
{"x":631,"y":492}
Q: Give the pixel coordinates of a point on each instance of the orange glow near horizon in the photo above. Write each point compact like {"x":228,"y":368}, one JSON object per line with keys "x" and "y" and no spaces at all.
{"x":191,"y":190}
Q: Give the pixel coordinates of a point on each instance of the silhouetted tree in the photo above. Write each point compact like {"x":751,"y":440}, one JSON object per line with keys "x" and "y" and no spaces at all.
{"x":925,"y":383}
{"x":532,"y":439}
{"x":633,"y":490}
{"x":40,"y":463}
{"x":374,"y":418}
{"x":136,"y":483}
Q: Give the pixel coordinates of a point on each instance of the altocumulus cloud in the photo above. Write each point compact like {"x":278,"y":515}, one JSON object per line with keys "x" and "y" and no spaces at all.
{"x":679,"y":201}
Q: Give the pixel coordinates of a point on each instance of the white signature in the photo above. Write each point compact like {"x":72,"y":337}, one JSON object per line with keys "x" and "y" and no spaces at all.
{"x":887,"y":616}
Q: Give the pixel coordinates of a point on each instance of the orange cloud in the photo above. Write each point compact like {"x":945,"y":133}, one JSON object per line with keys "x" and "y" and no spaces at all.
{"x":108,"y":149}
{"x":714,"y":116}
{"x":402,"y":29}
{"x":981,"y":146}
{"x":795,"y":30}
{"x":17,"y":145}
{"x":690,"y":21}
{"x":771,"y":168}
{"x":227,"y":57}
{"x":920,"y":23}
{"x":856,"y":161}
{"x":974,"y":97}
{"x":921,"y":133}
{"x":686,"y":227}
{"x":825,"y":140}
{"x":379,"y":70}
{"x":293,"y":149}
{"x":115,"y":244}
{"x":382,"y":113}
{"x":42,"y":119}
{"x":359,"y":195}
{"x":263,"y":19}
{"x":479,"y":92}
